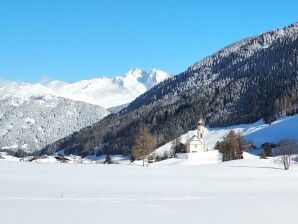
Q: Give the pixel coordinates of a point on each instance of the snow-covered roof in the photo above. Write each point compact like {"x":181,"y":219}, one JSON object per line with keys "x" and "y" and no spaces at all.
{"x":194,"y":137}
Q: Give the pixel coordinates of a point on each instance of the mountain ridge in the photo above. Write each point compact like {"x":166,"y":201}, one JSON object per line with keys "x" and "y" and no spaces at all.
{"x":102,"y":91}
{"x":242,"y":83}
{"x":259,"y":42}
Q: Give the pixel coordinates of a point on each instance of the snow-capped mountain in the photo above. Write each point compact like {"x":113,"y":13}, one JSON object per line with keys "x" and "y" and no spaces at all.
{"x":106,"y":92}
{"x":110,"y":92}
{"x":252,"y":79}
{"x":34,"y":115}
{"x":30,"y":124}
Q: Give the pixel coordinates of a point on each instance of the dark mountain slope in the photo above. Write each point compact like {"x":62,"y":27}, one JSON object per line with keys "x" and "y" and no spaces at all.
{"x":240,"y":84}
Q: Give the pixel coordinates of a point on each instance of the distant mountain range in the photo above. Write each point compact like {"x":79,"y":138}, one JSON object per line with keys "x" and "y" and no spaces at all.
{"x":35,"y":115}
{"x":246,"y":81}
{"x":105,"y":92}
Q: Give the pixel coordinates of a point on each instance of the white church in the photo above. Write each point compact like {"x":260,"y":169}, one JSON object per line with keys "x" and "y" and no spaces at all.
{"x":196,"y":143}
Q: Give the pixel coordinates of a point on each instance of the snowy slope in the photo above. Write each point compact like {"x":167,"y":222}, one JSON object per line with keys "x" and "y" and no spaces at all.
{"x":258,"y":133}
{"x":30,"y":124}
{"x":245,"y":191}
{"x":34,"y":115}
{"x":106,"y":92}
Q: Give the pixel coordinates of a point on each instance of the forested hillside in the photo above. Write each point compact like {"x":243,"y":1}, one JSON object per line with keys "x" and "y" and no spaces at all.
{"x":252,"y":79}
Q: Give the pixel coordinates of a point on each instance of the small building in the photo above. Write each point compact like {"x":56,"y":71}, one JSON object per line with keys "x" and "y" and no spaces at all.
{"x":196,"y":143}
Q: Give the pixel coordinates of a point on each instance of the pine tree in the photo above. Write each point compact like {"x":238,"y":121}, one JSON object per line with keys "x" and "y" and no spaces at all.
{"x":231,"y":147}
{"x":175,"y":147}
{"x":108,"y":159}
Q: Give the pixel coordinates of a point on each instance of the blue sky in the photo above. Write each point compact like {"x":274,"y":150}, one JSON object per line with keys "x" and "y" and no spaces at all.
{"x":74,"y":40}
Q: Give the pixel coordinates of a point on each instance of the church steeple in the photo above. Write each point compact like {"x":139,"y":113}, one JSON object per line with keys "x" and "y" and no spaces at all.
{"x":201,"y":128}
{"x":196,"y":143}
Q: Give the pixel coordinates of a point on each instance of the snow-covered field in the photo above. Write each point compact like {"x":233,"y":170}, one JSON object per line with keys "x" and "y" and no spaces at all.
{"x":200,"y":190}
{"x":245,"y":191}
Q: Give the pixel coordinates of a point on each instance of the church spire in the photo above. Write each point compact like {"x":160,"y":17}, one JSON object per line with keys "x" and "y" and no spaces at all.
{"x":201,"y":128}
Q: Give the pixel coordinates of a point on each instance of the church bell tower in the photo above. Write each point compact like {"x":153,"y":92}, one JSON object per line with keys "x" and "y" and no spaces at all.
{"x":201,"y":128}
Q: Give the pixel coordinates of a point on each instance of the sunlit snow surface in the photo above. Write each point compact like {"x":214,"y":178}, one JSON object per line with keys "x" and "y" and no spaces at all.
{"x":200,"y":190}
{"x":244,"y":191}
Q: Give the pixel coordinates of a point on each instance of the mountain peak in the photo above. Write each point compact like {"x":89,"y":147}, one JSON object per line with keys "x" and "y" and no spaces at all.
{"x":135,"y":72}
{"x":148,"y":79}
{"x":103,"y":91}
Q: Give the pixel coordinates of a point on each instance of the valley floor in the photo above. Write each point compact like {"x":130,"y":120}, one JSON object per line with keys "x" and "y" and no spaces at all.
{"x":244,"y":191}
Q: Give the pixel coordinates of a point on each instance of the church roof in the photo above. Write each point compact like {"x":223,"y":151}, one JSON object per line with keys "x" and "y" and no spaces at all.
{"x":194,"y":137}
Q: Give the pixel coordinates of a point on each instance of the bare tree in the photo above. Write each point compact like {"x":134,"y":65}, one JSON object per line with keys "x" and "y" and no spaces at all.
{"x":286,"y":149}
{"x":144,"y":144}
